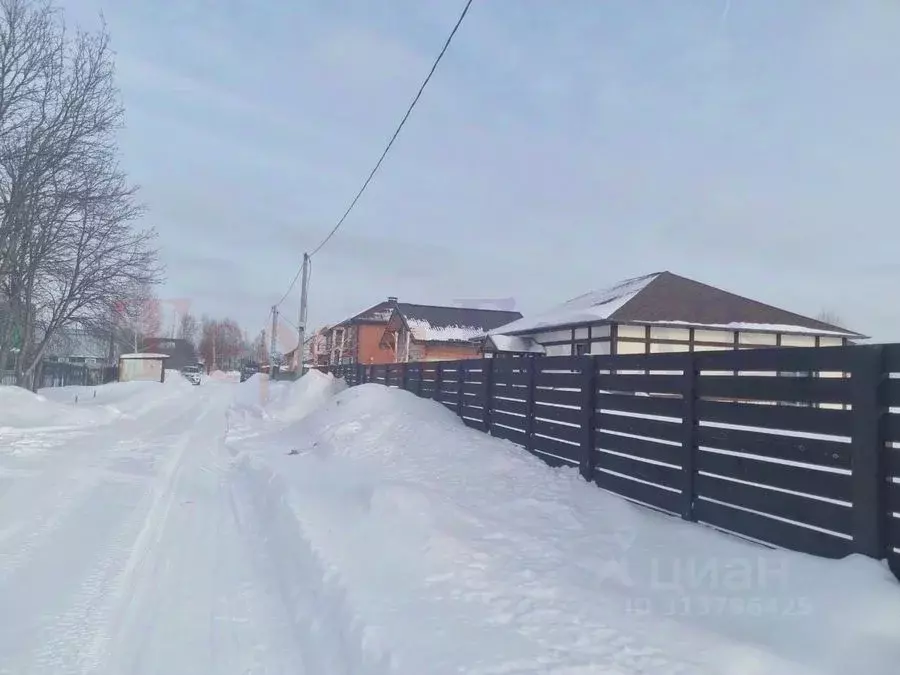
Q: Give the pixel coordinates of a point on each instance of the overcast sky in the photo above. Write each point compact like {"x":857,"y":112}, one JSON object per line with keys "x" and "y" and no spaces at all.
{"x":561,"y":146}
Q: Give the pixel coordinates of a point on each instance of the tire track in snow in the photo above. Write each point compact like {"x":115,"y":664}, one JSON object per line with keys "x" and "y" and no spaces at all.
{"x":50,"y":496}
{"x":125,"y":590}
{"x":74,"y":638}
{"x":331,"y":638}
{"x":197,"y":603}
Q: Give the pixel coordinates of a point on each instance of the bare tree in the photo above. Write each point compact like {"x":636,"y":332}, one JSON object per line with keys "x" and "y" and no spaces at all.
{"x":138,"y":317}
{"x":830,"y":317}
{"x":68,"y":249}
{"x":188,"y":328}
{"x":221,"y":343}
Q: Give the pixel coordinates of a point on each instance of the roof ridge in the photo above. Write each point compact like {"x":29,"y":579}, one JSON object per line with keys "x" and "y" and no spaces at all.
{"x":766,"y":305}
{"x":477,"y":309}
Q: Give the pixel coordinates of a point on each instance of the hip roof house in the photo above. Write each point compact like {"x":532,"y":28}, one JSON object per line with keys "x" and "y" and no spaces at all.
{"x":660,"y":312}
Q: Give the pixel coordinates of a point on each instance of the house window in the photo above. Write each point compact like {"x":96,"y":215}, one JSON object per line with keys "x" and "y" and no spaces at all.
{"x":626,"y":331}
{"x":722,"y":336}
{"x":769,"y":339}
{"x":582,"y":348}
{"x":624,"y":347}
{"x":600,"y":347}
{"x":668,"y":347}
{"x":798,"y":341}
{"x":667,"y":333}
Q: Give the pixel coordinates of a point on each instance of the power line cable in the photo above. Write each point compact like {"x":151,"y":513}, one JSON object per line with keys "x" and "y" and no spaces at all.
{"x":290,"y":288}
{"x":396,"y":132}
{"x":387,"y":149}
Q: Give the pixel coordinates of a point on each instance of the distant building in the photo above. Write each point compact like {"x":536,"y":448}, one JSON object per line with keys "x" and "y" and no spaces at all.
{"x":80,"y":346}
{"x":393,"y":331}
{"x":434,"y":333}
{"x":181,"y":352}
{"x":143,"y":367}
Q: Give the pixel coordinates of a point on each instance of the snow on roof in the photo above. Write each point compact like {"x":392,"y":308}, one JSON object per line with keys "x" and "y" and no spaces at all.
{"x":593,"y":306}
{"x":435,"y":323}
{"x":758,"y":327}
{"x":144,"y":355}
{"x":425,"y":332}
{"x":513,"y":343}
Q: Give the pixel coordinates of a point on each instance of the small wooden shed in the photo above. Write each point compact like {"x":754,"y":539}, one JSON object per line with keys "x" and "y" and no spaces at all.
{"x":148,"y":367}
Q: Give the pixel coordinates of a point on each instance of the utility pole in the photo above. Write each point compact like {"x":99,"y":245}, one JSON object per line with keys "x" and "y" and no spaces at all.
{"x":301,"y":325}
{"x":272,"y":343}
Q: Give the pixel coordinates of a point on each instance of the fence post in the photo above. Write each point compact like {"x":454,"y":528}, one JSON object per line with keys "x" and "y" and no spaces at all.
{"x":421,"y":383}
{"x":462,"y":367}
{"x":588,"y":382}
{"x":438,"y":381}
{"x":487,"y":379}
{"x":867,"y":450}
{"x":529,"y":404}
{"x":689,"y":447}
{"x":404,"y":376}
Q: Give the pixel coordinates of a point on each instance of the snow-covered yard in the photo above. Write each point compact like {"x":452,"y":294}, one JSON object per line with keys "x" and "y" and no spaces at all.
{"x":303,"y":528}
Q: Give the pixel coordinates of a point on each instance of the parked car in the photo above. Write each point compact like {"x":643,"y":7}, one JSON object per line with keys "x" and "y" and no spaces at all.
{"x":247,"y":372}
{"x":192,"y":373}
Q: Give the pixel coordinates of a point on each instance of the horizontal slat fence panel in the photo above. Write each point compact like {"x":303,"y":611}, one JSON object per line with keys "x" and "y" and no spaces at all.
{"x":651,"y":472}
{"x":816,"y":513}
{"x":775,"y":359}
{"x":640,"y":426}
{"x":771,"y":530}
{"x":563,"y":432}
{"x":644,"y":493}
{"x":557,"y":380}
{"x":775,"y":388}
{"x":517,"y":436}
{"x":787,"y":418}
{"x":379,"y":373}
{"x":555,"y":452}
{"x":558,"y":413}
{"x":809,"y":481}
{"x":654,"y":384}
{"x":891,"y":458}
{"x":641,"y":448}
{"x":825,"y":452}
{"x":644,"y":405}
{"x":794,"y":447}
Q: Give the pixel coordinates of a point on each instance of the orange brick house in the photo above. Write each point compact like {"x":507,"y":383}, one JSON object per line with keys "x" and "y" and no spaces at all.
{"x":358,"y":339}
{"x":425,"y":332}
{"x":433,"y":333}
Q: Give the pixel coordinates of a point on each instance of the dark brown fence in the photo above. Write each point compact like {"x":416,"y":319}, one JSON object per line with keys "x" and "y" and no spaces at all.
{"x":793,"y":447}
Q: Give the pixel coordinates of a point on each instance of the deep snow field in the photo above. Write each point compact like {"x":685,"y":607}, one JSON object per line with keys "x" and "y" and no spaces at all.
{"x":308,"y":528}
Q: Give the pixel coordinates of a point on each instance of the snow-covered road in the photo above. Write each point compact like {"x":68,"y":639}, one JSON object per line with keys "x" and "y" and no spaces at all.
{"x":231,"y":529}
{"x":126,"y":548}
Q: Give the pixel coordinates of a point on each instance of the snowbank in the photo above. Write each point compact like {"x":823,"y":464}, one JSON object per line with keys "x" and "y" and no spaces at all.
{"x":443,"y":550}
{"x":79,"y":406}
{"x":295,"y":400}
{"x":223,"y":376}
{"x":284,"y":402}
{"x":22,"y":409}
